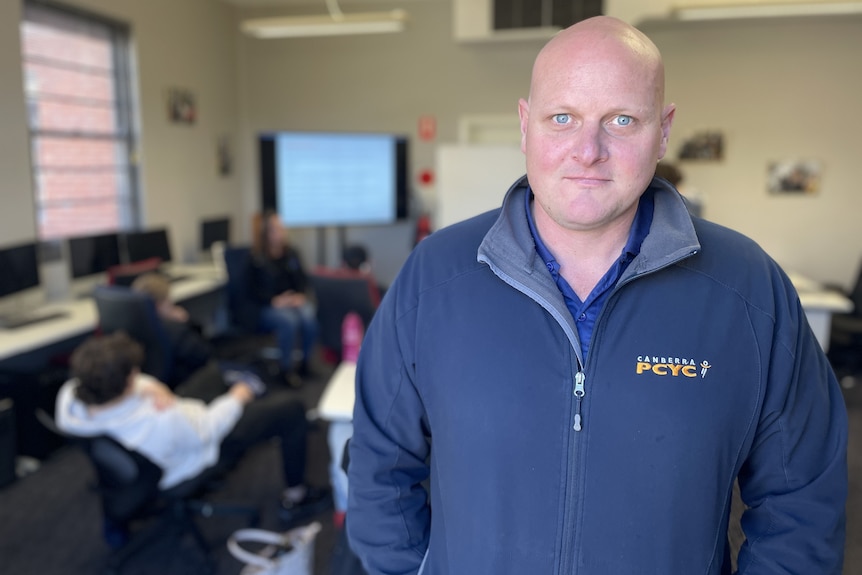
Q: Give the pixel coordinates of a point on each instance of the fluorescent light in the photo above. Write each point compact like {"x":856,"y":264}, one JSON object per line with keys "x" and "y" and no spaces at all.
{"x":333,"y":25}
{"x":766,"y":10}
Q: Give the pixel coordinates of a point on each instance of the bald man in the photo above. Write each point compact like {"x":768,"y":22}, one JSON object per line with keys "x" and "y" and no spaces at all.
{"x":572,"y":383}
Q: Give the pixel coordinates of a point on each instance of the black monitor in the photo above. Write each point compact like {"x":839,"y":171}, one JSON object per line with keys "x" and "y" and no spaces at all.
{"x":90,"y":255}
{"x":20,"y":268}
{"x":148,"y":244}
{"x":334,"y":179}
{"x":214,"y":230}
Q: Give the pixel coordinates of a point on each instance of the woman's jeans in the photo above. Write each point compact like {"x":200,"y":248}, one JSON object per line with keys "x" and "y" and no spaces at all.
{"x":286,"y":322}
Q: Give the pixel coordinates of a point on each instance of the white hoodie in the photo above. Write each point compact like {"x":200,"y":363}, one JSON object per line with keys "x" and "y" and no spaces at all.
{"x":183,"y":439}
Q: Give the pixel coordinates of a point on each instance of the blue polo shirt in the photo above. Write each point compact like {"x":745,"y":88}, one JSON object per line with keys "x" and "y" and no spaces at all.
{"x":586,"y":312}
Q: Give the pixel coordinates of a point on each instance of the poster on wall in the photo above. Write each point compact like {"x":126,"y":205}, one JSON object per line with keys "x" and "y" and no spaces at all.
{"x":794,"y":177}
{"x":181,"y":106}
{"x":706,"y":145}
{"x":224,"y":156}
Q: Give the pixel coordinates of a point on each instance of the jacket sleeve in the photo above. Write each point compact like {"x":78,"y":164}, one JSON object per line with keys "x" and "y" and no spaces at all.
{"x":794,"y":481}
{"x":388,"y":515}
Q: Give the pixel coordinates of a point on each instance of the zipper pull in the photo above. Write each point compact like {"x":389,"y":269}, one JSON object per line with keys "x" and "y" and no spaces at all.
{"x":579,"y":396}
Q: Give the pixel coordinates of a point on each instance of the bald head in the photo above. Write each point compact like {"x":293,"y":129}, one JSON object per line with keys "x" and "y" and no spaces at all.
{"x":591,"y":41}
{"x":594,"y":127}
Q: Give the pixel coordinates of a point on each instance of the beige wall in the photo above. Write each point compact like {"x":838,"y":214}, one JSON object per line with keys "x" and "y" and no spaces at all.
{"x":17,"y":219}
{"x":188,"y":44}
{"x":379,"y":83}
{"x":778,"y":89}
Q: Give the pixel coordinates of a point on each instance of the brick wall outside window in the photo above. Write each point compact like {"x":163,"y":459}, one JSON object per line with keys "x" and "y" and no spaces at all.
{"x":79,"y":133}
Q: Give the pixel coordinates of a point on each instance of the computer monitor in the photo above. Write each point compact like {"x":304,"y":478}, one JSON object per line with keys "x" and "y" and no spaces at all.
{"x":148,"y":244}
{"x":20,"y":268}
{"x":91,"y":255}
{"x":214,"y":230}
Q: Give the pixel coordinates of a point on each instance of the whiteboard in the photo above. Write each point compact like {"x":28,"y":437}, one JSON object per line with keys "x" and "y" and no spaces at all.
{"x":473,"y":178}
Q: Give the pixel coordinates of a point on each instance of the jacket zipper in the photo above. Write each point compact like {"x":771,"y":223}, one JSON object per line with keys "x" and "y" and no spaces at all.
{"x":568,"y":554}
{"x":579,"y":392}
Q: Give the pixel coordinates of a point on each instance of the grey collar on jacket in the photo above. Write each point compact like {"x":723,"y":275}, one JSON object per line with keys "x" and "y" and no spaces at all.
{"x":509,"y":250}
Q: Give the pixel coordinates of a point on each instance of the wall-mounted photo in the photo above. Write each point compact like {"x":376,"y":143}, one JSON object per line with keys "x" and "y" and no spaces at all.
{"x":795,"y":177}
{"x":224,"y":156}
{"x":181,"y":106}
{"x":707,"y":145}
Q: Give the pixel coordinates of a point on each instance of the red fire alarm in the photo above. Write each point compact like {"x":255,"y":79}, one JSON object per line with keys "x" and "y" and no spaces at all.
{"x":427,"y":128}
{"x":426,"y":177}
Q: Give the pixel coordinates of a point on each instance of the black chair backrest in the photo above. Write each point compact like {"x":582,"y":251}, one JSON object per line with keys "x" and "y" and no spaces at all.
{"x":121,"y":308}
{"x":338,"y":294}
{"x":856,"y":294}
{"x":243,"y":309}
{"x":128,"y":481}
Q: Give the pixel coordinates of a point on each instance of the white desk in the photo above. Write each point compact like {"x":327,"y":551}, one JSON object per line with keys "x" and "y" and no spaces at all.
{"x":336,"y":403}
{"x":82,"y":315}
{"x":336,"y":406}
{"x":819,"y":305}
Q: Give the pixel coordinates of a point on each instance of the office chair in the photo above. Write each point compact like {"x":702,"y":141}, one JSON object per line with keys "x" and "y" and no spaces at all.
{"x":244,"y":340}
{"x":243,"y":310}
{"x":128,"y":487}
{"x":120,"y":308}
{"x":845,"y":338}
{"x":126,"y":274}
{"x":338,"y":292}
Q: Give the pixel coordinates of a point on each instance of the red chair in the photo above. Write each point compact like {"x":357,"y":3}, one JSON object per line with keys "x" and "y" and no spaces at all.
{"x":339,"y":291}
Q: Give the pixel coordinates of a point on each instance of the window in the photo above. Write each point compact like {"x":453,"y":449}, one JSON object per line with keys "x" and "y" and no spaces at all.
{"x":77,"y":88}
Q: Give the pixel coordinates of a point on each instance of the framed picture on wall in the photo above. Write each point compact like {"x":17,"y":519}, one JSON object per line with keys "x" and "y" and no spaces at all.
{"x":794,"y":177}
{"x":181,"y":106}
{"x":224,"y":156}
{"x":706,"y":145}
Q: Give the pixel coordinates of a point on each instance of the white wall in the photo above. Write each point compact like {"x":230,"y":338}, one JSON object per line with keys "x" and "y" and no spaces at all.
{"x":187,"y":44}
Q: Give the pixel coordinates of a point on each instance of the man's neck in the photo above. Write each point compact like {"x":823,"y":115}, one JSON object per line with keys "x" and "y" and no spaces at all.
{"x":584,"y":256}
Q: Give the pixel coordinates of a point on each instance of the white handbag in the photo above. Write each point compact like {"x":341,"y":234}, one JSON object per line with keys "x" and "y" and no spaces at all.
{"x":288,"y":553}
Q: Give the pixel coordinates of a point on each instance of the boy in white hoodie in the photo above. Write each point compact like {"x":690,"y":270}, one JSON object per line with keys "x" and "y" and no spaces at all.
{"x":108,"y":395}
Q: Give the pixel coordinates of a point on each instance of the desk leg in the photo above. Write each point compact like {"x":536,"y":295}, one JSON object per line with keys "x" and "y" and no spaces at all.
{"x":820,"y":321}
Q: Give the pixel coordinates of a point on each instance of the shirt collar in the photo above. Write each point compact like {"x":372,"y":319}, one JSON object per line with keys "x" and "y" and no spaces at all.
{"x":638,"y":232}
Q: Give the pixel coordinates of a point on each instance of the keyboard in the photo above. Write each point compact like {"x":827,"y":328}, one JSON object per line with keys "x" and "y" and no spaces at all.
{"x":177,"y":278}
{"x":18,"y":321}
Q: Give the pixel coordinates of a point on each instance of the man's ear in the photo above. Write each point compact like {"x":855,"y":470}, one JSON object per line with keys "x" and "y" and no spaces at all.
{"x":666,"y":122}
{"x":524,"y":115}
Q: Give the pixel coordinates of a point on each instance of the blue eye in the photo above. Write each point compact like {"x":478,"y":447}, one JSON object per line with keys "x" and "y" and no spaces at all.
{"x":623,"y":120}
{"x":561,"y":118}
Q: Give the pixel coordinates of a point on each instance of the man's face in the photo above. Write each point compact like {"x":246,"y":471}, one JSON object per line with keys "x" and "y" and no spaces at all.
{"x":592,"y":132}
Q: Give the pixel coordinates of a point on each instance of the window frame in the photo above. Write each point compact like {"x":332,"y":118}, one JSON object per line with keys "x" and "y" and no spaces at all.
{"x":126,"y":193}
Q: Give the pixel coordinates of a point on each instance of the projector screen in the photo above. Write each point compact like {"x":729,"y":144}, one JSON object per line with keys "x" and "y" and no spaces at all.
{"x":325,"y":179}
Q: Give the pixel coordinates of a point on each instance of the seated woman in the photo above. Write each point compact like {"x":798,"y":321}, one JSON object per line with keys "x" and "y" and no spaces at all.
{"x":182,"y":433}
{"x":281,"y":286}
